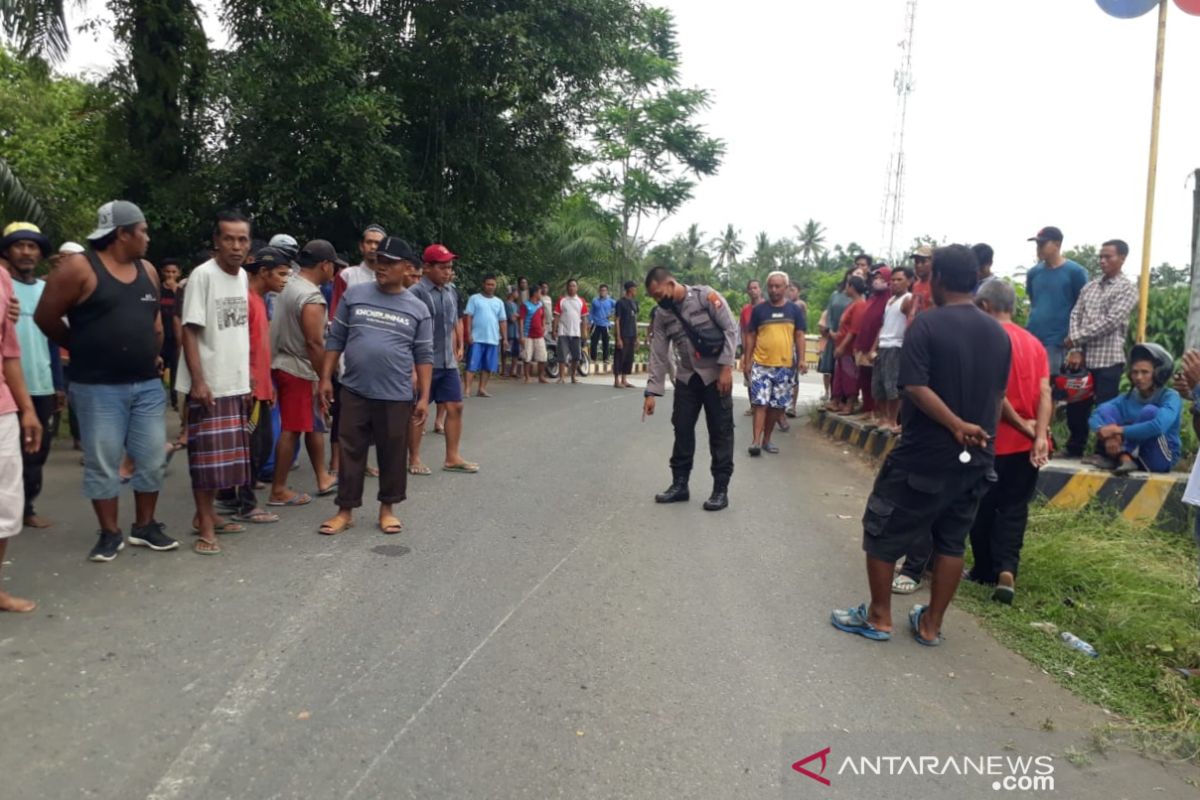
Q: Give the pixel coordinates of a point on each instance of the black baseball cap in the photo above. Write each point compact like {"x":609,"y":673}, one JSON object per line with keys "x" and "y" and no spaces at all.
{"x":1048,"y":234}
{"x":315,"y":252}
{"x":268,"y":258}
{"x":393,"y":248}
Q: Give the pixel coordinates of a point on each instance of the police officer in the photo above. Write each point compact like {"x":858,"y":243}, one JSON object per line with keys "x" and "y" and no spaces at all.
{"x":695,"y":320}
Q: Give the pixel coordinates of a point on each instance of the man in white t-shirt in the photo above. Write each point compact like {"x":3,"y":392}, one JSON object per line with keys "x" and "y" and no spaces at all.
{"x":215,"y":375}
{"x":885,"y":378}
{"x":363,"y":272}
{"x":570,"y":329}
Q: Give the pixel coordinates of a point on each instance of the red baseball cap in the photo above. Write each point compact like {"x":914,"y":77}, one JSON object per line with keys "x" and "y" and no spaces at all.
{"x":437,"y":254}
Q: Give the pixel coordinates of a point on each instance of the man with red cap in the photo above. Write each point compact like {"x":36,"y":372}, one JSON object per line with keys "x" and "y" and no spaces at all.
{"x":439,"y":296}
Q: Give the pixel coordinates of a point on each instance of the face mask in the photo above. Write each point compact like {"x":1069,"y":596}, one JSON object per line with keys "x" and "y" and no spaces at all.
{"x":667,"y":304}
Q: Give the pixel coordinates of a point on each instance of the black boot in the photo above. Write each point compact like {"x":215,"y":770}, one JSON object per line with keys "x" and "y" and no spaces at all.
{"x":719,"y":498}
{"x":676,"y":493}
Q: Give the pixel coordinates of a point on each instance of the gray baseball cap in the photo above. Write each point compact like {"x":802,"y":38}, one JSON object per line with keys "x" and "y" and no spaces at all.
{"x":113,"y":215}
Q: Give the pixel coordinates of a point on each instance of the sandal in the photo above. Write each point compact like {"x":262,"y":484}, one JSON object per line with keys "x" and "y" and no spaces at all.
{"x":391,"y":525}
{"x":257,"y":517}
{"x":419,"y":469}
{"x":465,"y":467}
{"x":299,"y":499}
{"x":854,"y":620}
{"x":206,"y":548}
{"x":372,"y":472}
{"x":228,"y":526}
{"x":914,"y":621}
{"x":902,"y":584}
{"x":771,"y":447}
{"x":328,"y":490}
{"x":335,"y":526}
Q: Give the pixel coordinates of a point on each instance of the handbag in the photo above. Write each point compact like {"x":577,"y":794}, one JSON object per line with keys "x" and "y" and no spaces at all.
{"x":707,"y":342}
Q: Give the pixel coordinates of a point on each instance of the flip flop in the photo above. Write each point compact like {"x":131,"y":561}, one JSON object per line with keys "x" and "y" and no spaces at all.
{"x":914,"y":621}
{"x":771,"y":447}
{"x":300,"y":499}
{"x":372,"y":472}
{"x":854,"y":620}
{"x":228,"y":526}
{"x":465,"y":467}
{"x":328,"y":490}
{"x":335,"y":526}
{"x":391,"y":525}
{"x":1004,"y":594}
{"x":205,"y":548}
{"x":420,"y":470}
{"x":257,"y":517}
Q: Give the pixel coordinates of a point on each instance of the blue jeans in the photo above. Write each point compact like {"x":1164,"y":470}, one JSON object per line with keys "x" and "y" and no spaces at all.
{"x":1055,"y":353}
{"x":1154,"y":454}
{"x":119,"y":418}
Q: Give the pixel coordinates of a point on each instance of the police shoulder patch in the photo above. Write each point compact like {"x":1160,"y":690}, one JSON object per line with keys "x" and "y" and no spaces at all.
{"x":715,"y":300}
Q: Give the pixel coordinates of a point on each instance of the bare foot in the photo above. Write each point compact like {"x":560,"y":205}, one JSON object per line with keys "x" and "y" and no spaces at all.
{"x":542,"y":380}
{"x":482,"y":393}
{"x":37,"y":522}
{"x":17,"y":605}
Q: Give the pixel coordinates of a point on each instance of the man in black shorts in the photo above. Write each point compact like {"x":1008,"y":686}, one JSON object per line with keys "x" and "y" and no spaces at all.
{"x":953,"y":371}
{"x":626,"y":336}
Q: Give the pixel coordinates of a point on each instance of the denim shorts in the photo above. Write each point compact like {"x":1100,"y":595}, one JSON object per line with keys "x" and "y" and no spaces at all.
{"x":120,"y":418}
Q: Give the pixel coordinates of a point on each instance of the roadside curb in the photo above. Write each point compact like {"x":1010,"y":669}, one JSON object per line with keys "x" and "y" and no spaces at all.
{"x":1140,"y":498}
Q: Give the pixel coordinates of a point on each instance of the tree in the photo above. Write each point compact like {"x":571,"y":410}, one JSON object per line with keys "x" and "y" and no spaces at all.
{"x":53,"y":145}
{"x":1087,"y":256}
{"x":811,"y":241}
{"x":648,"y":148}
{"x":38,"y":28}
{"x":729,"y":246}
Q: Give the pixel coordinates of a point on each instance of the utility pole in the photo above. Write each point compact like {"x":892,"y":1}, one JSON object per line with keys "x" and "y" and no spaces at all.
{"x":893,"y":194}
{"x":1193,"y":325}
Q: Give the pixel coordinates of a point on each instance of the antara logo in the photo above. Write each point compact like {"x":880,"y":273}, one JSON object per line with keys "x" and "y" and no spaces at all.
{"x":816,"y":776}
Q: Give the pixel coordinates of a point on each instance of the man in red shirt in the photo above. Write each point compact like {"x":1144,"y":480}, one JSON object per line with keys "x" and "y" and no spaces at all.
{"x":267,"y":271}
{"x":1022,"y":447}
{"x":922,"y":288}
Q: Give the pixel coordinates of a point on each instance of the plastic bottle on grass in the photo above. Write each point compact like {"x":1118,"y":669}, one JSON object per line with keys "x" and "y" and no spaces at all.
{"x":1075,"y":643}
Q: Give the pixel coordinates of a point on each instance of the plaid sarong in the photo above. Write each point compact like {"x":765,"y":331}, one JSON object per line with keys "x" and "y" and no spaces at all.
{"x":219,"y":444}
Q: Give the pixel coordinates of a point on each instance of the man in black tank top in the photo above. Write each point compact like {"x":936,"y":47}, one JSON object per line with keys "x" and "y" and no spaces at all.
{"x":113,"y":330}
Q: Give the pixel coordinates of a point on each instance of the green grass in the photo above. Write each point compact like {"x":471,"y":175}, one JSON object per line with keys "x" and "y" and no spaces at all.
{"x":1129,"y":591}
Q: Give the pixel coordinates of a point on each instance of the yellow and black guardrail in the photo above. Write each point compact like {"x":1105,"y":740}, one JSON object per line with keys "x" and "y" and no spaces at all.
{"x":1139,"y":498}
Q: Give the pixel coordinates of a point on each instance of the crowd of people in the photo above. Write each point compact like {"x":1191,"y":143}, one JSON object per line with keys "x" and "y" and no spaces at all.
{"x":261,"y":346}
{"x":264,"y":345}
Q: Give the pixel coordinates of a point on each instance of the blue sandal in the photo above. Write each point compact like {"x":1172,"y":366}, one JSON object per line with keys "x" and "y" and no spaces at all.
{"x":914,"y":620}
{"x":854,"y":620}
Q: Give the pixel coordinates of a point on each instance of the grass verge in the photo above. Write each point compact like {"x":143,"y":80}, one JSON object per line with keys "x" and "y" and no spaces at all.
{"x":1129,"y":591}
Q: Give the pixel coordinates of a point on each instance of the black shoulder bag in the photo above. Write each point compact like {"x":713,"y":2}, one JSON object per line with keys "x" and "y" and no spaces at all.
{"x":707,"y":342}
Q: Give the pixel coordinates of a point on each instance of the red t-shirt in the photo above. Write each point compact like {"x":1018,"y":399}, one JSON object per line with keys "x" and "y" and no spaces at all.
{"x":851,"y":319}
{"x":922,"y":297}
{"x":1029,"y":367}
{"x":260,"y":348}
{"x":747,"y":310}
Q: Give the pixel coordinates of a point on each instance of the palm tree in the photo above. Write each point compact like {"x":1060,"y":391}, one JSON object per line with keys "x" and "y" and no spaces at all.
{"x":729,"y":246}
{"x":16,"y":202}
{"x":764,"y":253}
{"x":693,"y":246}
{"x":36,"y":27}
{"x":811,"y":239}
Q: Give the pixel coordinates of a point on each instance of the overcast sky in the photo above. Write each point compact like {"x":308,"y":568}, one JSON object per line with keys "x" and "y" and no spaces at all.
{"x":1025,"y":113}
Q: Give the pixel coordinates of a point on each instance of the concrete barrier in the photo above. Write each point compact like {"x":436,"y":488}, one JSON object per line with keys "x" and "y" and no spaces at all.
{"x":1140,"y":498}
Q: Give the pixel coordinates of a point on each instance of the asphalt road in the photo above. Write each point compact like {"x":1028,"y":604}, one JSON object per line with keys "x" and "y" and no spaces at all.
{"x":541,"y":629}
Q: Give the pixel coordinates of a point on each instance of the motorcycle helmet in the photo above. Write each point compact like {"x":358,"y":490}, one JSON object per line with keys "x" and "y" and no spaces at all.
{"x":1164,"y":362}
{"x":1073,"y":387}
